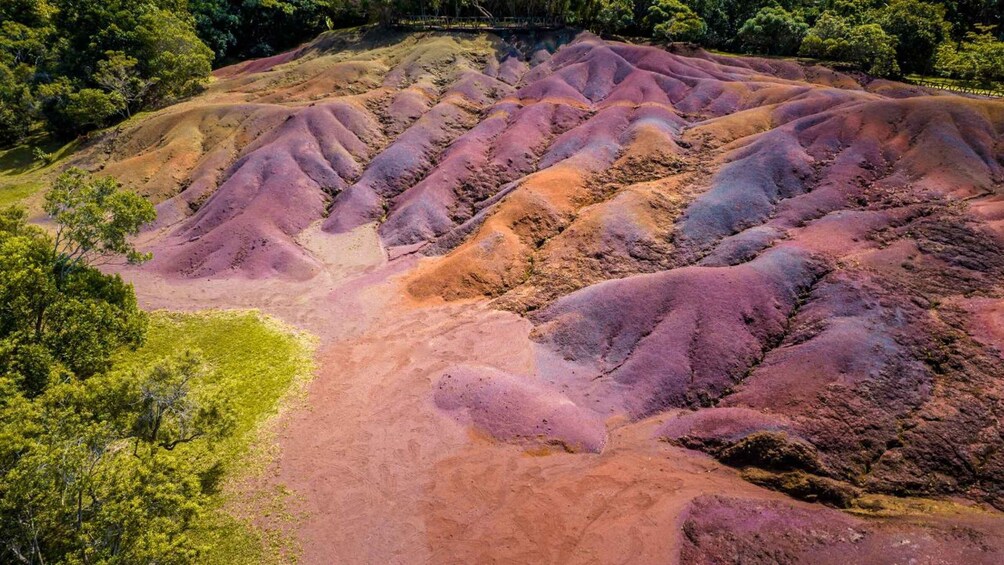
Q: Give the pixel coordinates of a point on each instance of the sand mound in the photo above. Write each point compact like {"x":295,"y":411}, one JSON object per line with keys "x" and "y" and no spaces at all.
{"x":509,"y":408}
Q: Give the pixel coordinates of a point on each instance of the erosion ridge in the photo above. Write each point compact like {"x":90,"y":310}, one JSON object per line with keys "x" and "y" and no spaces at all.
{"x":735,"y":255}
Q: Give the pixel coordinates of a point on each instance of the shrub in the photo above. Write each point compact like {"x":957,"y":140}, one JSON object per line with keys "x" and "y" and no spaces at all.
{"x":978,"y":58}
{"x":866,"y":46}
{"x":614,"y":16}
{"x":774,"y":31}
{"x":671,"y":20}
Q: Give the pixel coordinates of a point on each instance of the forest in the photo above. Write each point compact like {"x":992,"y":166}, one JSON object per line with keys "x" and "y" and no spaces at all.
{"x":71,"y":66}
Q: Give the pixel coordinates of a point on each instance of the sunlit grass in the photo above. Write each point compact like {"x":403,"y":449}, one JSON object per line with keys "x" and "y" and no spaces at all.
{"x":23,"y":174}
{"x":15,"y":193}
{"x":264,"y":365}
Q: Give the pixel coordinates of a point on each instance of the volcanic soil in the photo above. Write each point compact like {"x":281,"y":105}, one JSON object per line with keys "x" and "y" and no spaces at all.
{"x":582,"y":301}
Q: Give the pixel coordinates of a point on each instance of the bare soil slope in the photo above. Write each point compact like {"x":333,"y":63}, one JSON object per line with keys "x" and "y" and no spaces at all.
{"x":586,"y":301}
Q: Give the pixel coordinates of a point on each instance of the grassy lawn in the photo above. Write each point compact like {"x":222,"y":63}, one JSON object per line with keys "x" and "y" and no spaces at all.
{"x":14,"y":193}
{"x":265,"y":365}
{"x":21,"y":174}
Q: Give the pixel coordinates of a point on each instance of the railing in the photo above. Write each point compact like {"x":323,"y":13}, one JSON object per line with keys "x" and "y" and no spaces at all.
{"x":958,"y":88}
{"x":446,"y":23}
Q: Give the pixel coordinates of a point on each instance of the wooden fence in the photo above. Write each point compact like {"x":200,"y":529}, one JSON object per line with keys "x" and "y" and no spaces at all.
{"x":958,"y":88}
{"x":448,"y":23}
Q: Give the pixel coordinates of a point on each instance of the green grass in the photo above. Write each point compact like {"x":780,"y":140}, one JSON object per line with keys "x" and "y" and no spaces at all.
{"x":22,"y":175}
{"x":265,"y":365}
{"x":14,"y":193}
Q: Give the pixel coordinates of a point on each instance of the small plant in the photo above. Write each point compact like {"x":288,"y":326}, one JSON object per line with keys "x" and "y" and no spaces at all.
{"x":42,"y":156}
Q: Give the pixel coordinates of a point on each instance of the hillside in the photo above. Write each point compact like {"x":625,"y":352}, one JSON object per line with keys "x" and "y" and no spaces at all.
{"x":588,"y":301}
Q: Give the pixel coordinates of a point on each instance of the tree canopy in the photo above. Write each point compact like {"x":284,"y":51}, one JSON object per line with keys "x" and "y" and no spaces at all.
{"x":72,"y":66}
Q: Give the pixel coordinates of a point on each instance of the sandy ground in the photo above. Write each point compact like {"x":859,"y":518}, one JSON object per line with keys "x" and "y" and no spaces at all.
{"x":381,"y":476}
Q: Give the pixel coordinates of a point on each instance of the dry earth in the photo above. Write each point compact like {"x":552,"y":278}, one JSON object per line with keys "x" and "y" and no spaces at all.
{"x":590,"y":302}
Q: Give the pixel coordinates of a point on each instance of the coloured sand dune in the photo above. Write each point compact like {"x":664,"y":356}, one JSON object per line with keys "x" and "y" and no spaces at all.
{"x":606,"y":255}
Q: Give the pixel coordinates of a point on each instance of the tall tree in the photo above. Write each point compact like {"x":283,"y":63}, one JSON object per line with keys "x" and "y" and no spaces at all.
{"x":59,"y":316}
{"x":774,"y":31}
{"x":919,"y":28}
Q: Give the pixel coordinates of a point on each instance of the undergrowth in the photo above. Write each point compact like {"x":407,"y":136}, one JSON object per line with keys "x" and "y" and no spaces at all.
{"x":266,"y":366}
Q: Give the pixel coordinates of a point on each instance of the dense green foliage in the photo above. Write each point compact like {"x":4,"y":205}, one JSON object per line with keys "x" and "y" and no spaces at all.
{"x":773,"y":31}
{"x":71,"y":66}
{"x":672,"y":20}
{"x":114,"y":435}
{"x":960,"y":38}
{"x":101,"y":470}
{"x":978,"y":58}
{"x":76,"y":65}
{"x":866,"y":45}
{"x":59,"y":316}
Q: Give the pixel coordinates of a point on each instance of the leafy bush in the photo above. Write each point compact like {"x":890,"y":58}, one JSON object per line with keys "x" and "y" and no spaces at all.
{"x":866,"y":46}
{"x":978,"y":58}
{"x":176,"y":61}
{"x":774,"y":31}
{"x":671,"y":20}
{"x":615,"y":16}
{"x":16,"y":107}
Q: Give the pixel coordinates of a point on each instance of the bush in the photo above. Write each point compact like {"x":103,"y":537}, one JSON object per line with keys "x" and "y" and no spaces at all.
{"x":71,"y":112}
{"x":16,"y":107}
{"x":671,"y":20}
{"x":173,"y":56}
{"x":866,"y":46}
{"x":978,"y":58}
{"x":615,"y":16}
{"x":774,"y":31}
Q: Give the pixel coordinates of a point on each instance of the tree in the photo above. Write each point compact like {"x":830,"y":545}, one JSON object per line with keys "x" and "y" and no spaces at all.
{"x":95,"y":220}
{"x":216,"y":24}
{"x":671,"y":20}
{"x":774,"y":31}
{"x":978,"y":58}
{"x":59,"y":316}
{"x":69,"y":111}
{"x":173,"y":55}
{"x":615,"y":16}
{"x":119,"y":76}
{"x":16,"y":107}
{"x":872,"y":49}
{"x":919,"y":28}
{"x":867,"y":46}
{"x":81,"y":481}
{"x":168,"y":413}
